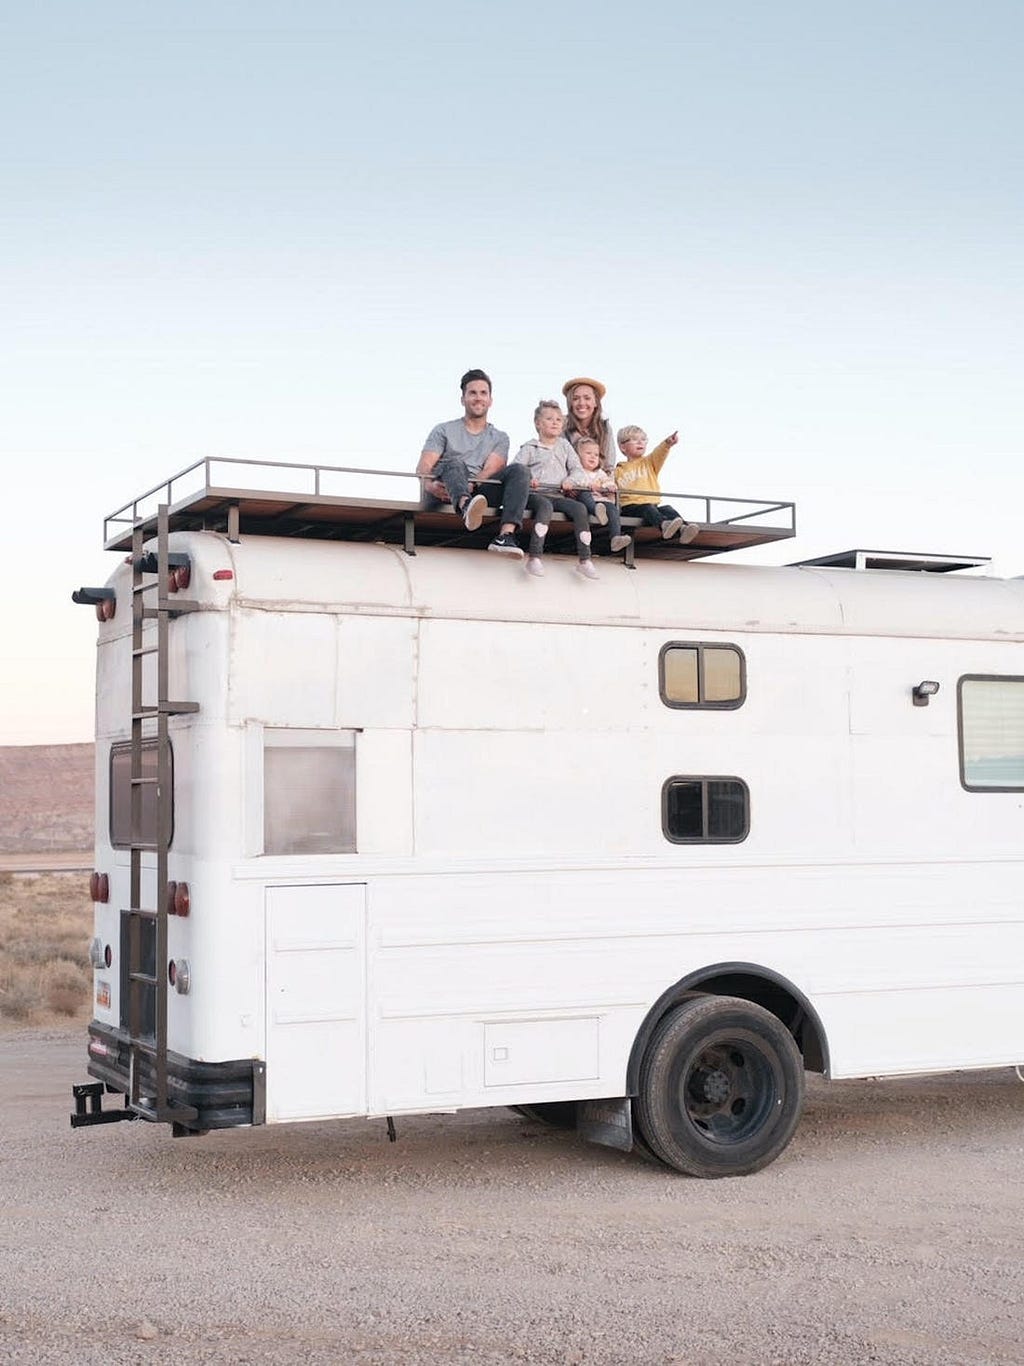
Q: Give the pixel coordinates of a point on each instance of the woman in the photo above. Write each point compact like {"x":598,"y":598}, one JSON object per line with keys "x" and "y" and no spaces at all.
{"x":583,"y":397}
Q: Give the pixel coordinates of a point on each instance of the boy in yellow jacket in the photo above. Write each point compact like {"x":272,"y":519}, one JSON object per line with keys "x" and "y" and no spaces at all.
{"x":637,"y":478}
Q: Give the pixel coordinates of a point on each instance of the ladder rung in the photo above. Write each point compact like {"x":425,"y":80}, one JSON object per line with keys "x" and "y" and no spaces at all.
{"x":168,"y":709}
{"x":143,"y":782}
{"x":174,"y":607}
{"x":144,"y":847}
{"x":144,"y":977}
{"x":144,"y":587}
{"x":141,"y":912}
{"x":146,"y":650}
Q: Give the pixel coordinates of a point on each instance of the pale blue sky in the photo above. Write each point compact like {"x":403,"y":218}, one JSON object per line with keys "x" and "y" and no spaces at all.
{"x":791,"y":230}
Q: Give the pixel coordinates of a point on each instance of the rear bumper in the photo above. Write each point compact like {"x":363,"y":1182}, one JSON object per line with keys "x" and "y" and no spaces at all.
{"x":225,"y":1095}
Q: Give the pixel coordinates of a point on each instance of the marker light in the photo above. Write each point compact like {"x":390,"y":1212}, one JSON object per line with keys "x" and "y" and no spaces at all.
{"x":182,"y":899}
{"x":96,"y":959}
{"x":182,"y":576}
{"x":222,"y":575}
{"x":99,"y":887}
{"x":179,"y":975}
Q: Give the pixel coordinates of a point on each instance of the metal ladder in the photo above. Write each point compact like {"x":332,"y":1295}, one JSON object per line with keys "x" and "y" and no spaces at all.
{"x":147,"y":966}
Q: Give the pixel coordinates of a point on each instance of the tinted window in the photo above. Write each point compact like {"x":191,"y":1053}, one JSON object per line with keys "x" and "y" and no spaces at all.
{"x":121,"y":796}
{"x":705,"y":810}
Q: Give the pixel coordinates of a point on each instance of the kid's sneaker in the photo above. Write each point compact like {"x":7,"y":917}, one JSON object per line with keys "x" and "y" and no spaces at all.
{"x":506,"y":544}
{"x":601,"y":514}
{"x":689,"y":533}
{"x":586,"y":569}
{"x":473,"y":510}
{"x":535,"y":566}
{"x":671,"y":528}
{"x":620,"y":543}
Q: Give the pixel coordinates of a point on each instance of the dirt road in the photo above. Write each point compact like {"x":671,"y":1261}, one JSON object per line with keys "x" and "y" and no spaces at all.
{"x":892,"y":1231}
{"x":60,"y":861}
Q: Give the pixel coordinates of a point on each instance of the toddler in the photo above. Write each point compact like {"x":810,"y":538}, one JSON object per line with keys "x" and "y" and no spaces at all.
{"x":595,"y":488}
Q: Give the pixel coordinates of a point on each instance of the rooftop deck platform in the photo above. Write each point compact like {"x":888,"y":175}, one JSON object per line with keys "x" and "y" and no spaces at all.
{"x":270,"y":498}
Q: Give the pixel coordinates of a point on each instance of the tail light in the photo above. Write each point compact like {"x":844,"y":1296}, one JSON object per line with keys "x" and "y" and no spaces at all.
{"x":181,"y":577}
{"x":179,"y":898}
{"x":99,"y":887}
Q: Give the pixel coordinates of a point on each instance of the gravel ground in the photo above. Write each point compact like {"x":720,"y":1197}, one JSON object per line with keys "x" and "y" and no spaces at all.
{"x":890,"y":1231}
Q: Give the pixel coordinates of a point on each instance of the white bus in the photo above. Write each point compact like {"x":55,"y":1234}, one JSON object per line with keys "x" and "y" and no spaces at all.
{"x":386,"y":827}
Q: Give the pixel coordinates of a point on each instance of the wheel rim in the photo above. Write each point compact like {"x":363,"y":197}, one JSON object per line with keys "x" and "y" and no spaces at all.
{"x":728,"y":1091}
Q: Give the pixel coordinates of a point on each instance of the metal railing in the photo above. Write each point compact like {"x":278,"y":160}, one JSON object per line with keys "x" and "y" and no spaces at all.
{"x":337,"y":483}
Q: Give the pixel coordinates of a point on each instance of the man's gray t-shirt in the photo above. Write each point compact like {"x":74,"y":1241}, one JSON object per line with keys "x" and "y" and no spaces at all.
{"x":451,"y":438}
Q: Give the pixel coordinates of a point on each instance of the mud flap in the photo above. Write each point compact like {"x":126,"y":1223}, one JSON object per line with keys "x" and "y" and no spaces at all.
{"x":608,"y":1122}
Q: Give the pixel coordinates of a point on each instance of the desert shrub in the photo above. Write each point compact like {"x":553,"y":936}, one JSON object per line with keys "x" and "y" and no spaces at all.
{"x":45,"y":927}
{"x":65,"y":987}
{"x":38,"y":952}
{"x":19,"y":999}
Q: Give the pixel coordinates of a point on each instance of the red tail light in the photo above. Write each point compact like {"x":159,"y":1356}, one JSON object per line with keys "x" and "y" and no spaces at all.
{"x":179,"y":901}
{"x":181,"y":577}
{"x":99,"y":887}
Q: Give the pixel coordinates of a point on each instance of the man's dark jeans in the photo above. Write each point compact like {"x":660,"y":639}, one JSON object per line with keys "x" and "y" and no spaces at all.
{"x":513,"y":482}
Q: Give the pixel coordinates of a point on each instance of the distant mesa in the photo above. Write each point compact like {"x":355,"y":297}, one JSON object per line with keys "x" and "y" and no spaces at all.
{"x":46,"y":798}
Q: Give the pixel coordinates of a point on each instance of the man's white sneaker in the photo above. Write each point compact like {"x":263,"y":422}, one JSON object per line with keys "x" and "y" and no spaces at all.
{"x":535,"y":566}
{"x":620,"y":543}
{"x":689,"y":533}
{"x":473,"y":510}
{"x":671,"y":528}
{"x":586,"y":569}
{"x":601,"y":514}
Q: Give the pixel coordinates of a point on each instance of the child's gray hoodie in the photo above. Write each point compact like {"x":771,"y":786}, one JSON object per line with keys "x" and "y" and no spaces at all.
{"x":550,"y":465}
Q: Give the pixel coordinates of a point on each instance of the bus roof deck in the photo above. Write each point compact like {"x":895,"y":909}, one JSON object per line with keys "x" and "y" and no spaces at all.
{"x":329,"y":502}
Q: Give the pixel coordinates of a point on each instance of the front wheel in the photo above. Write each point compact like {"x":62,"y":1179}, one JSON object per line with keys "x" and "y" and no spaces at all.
{"x":721,"y":1087}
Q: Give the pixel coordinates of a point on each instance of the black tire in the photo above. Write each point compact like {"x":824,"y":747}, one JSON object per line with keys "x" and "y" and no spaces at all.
{"x":559,"y":1114}
{"x":721,"y":1088}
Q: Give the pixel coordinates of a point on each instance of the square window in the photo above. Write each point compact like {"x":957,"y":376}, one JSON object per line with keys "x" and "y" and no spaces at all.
{"x":309,"y":792}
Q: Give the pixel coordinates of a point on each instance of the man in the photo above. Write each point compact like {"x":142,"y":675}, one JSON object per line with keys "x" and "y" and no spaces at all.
{"x":460,"y":455}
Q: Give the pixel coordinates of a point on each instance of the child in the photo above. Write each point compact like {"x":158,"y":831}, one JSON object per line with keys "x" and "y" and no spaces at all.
{"x":551,"y":460}
{"x":638,"y":484}
{"x":595,"y":489}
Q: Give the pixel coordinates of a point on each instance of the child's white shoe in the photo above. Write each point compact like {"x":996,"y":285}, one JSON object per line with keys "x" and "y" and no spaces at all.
{"x":586,"y":569}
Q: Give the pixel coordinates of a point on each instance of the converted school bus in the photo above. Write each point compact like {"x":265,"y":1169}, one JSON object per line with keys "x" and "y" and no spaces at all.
{"x":385,"y":826}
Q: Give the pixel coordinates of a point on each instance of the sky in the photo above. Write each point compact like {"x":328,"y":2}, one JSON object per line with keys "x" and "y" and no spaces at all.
{"x":792,"y":231}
